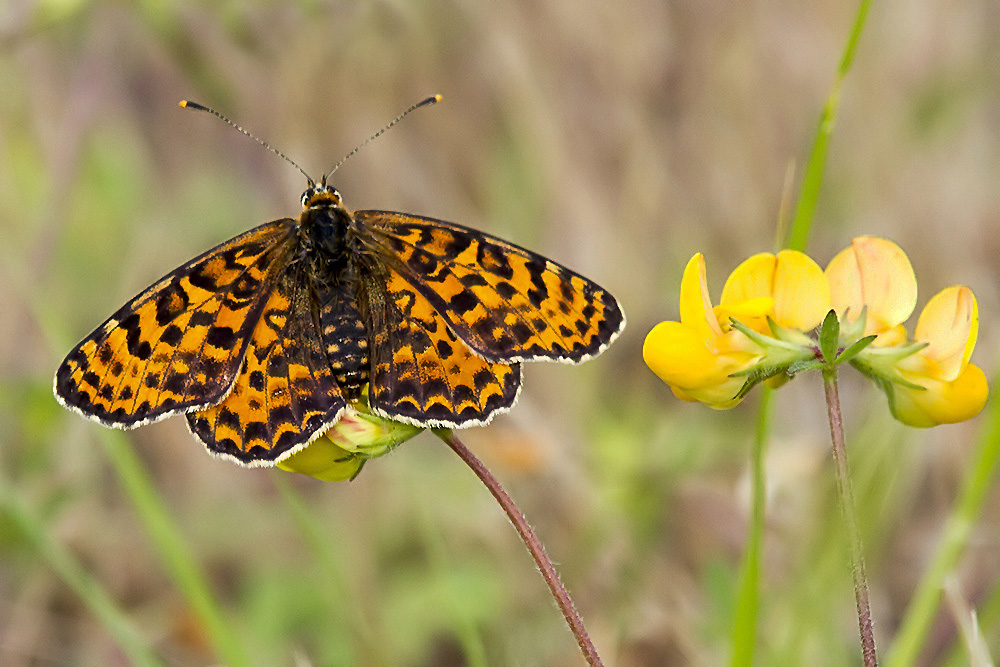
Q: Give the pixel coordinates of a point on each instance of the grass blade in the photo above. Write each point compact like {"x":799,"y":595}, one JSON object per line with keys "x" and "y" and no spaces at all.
{"x":802,"y":222}
{"x":171,"y":547}
{"x":744,"y":635}
{"x":76,"y":577}
{"x":924,"y":604}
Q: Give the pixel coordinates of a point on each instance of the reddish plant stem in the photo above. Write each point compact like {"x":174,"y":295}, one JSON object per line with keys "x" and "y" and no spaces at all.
{"x":847,"y":506}
{"x":531,"y":541}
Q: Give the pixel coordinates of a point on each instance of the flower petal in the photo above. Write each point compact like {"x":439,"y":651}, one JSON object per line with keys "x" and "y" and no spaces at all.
{"x":752,"y":279}
{"x":950,"y":324}
{"x":695,"y":304}
{"x":941,"y":402}
{"x":873,"y":273}
{"x":748,"y":294}
{"x":678,"y":355}
{"x":801,"y":291}
{"x":798,"y":291}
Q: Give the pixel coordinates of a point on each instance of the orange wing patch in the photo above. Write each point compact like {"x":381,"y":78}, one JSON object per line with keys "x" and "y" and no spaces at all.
{"x":423,"y":374}
{"x":286,"y":394}
{"x":179,"y":343}
{"x":505,"y":302}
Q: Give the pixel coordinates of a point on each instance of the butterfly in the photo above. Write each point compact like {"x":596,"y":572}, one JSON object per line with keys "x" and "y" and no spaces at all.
{"x":266,"y":339}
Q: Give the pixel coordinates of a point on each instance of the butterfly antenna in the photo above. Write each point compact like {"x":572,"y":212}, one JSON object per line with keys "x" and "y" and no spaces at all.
{"x":194,"y":105}
{"x":433,"y":99}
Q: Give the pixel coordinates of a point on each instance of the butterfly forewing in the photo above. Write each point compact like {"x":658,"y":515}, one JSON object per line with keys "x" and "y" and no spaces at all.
{"x":179,"y":343}
{"x":422,"y":373}
{"x":266,"y":339}
{"x":286,"y":393}
{"x":505,"y":302}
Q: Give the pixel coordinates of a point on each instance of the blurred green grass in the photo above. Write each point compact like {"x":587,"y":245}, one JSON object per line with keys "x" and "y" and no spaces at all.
{"x":617,"y":139}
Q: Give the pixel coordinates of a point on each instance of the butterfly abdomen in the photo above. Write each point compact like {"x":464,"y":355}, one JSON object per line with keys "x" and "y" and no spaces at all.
{"x":345,"y":340}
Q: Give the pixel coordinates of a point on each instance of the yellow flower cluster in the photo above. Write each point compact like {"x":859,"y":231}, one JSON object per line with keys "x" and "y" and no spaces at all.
{"x":770,"y":303}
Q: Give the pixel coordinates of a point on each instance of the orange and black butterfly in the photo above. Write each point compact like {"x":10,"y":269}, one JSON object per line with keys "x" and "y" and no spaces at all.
{"x":264,"y":341}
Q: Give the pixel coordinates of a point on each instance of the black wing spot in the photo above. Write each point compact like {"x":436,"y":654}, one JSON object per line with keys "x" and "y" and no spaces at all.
{"x":172,"y":335}
{"x":506,"y":290}
{"x":221,"y":337}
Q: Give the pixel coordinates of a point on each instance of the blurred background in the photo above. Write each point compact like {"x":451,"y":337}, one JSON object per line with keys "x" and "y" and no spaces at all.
{"x":616,"y":138}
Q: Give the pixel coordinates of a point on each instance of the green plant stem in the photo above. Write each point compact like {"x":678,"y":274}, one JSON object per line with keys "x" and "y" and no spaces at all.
{"x":166,"y":538}
{"x":924,"y":604}
{"x":846,"y":496}
{"x":748,"y":597}
{"x":77,"y":578}
{"x":987,"y":616}
{"x":531,"y":541}
{"x":802,"y":222}
{"x":336,"y":562}
{"x":171,"y":547}
{"x":467,"y":632}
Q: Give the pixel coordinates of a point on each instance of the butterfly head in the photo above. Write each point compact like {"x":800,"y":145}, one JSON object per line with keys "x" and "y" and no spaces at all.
{"x":324,"y":223}
{"x":321,"y":195}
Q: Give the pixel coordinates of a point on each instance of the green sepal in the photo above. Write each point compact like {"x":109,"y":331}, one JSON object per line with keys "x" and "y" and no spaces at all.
{"x":829,"y":337}
{"x":851,"y":351}
{"x":856,"y":329}
{"x":804,"y":365}
{"x":756,"y":375}
{"x":792,"y":337}
{"x":760,"y":339}
{"x":882,"y":380}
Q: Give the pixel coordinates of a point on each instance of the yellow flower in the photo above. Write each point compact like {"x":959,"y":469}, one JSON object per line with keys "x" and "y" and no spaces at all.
{"x":704,"y":358}
{"x":357,"y":436}
{"x":950,"y":388}
{"x":930,"y":381}
{"x":876,"y":275}
{"x":758,"y":332}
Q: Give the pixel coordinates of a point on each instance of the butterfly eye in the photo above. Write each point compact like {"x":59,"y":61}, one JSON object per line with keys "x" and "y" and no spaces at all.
{"x":307,"y":194}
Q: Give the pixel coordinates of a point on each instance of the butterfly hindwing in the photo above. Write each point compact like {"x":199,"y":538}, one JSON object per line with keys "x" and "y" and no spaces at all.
{"x":505,"y":302}
{"x":286,"y":393}
{"x":265,"y":340}
{"x":423,"y":374}
{"x":179,"y":343}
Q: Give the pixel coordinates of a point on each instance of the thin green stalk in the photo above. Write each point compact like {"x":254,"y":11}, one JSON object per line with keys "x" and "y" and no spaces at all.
{"x":167,"y":540}
{"x":925,"y":601}
{"x":966,"y":620}
{"x":335,"y":562}
{"x":813,"y":179}
{"x":171,"y":547}
{"x":76,"y":577}
{"x":846,"y":496}
{"x":748,"y":595}
{"x":988,"y":617}
{"x":469,"y":636}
